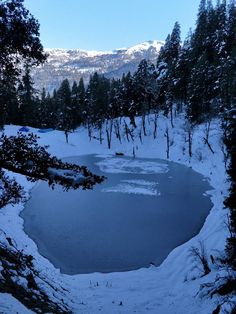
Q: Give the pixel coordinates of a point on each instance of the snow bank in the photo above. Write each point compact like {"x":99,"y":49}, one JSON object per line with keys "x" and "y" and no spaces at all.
{"x":10,"y":305}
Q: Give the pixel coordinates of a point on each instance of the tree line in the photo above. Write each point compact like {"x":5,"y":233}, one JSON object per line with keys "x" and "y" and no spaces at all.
{"x":198,"y":75}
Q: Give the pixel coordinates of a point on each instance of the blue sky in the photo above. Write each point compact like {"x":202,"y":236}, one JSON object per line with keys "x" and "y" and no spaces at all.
{"x":109,"y":24}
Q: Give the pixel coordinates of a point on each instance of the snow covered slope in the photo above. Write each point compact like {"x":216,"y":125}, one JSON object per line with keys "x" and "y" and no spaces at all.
{"x":74,"y":64}
{"x":173,"y":287}
{"x":9,"y":305}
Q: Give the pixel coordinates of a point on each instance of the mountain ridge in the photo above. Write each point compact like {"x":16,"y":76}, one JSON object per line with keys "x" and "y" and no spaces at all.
{"x":76,"y":63}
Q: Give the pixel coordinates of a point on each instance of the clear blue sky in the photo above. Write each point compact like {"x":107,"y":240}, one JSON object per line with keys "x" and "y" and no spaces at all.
{"x":109,"y":24}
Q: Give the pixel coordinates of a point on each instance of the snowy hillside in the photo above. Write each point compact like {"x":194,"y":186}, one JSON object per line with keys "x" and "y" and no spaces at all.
{"x":74,"y":64}
{"x":173,"y":287}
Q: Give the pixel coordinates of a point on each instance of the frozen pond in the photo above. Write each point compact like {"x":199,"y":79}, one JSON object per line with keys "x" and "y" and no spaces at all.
{"x":144,"y":209}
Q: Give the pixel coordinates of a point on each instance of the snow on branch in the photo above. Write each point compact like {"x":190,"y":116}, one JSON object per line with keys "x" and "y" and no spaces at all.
{"x":72,"y":177}
{"x":10,"y":191}
{"x":22,"y":154}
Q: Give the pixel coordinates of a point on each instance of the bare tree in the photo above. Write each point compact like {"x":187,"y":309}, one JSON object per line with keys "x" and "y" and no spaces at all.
{"x":109,"y":132}
{"x":167,"y":143}
{"x":225,"y":152}
{"x":189,"y":128}
{"x":128,"y":132}
{"x":66,"y":135}
{"x":200,"y":254}
{"x":100,"y":134}
{"x":134,"y":155}
{"x":171,"y":116}
{"x":169,"y":104}
{"x":140,"y":136}
{"x":229,"y":226}
{"x":207,"y":134}
{"x":155,"y":126}
{"x":89,"y":131}
{"x":117,"y":130}
{"x":144,"y":124}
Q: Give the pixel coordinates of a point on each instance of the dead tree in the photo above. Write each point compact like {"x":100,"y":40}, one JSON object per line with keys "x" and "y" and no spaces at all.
{"x":132,"y":120}
{"x":171,"y":116}
{"x":117,"y":130}
{"x":100,"y":134}
{"x":134,"y":155}
{"x":190,"y":130}
{"x":200,"y":254}
{"x":109,"y":132}
{"x":66,"y":135}
{"x":225,"y":152}
{"x":167,"y":143}
{"x":207,"y":133}
{"x":128,"y":132}
{"x":140,"y":136}
{"x":170,"y":107}
{"x":144,"y":124}
{"x":155,"y":126}
{"x":89,"y":131}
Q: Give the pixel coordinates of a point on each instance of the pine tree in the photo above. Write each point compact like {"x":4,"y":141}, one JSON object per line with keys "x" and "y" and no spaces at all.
{"x":230,"y":202}
{"x":127,"y":87}
{"x":228,"y":95}
{"x":64,"y":106}
{"x":81,"y":96}
{"x":167,"y":75}
{"x":75,"y":114}
{"x":203,"y":86}
{"x":144,"y":80}
{"x":231,"y":30}
{"x":199,"y":36}
{"x":27,"y":103}
{"x":15,"y":20}
{"x":9,"y":112}
{"x":97,"y":95}
{"x":45,"y":110}
{"x":221,"y":30}
{"x":183,"y":69}
{"x":115,"y":104}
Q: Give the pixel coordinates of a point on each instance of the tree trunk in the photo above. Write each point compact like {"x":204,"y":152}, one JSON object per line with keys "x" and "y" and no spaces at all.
{"x":155,"y":126}
{"x":167,"y":143}
{"x":144,"y":125}
{"x":109,"y":134}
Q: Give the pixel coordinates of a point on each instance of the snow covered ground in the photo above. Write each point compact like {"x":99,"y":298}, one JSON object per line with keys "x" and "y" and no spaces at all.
{"x":171,"y":288}
{"x":10,"y":305}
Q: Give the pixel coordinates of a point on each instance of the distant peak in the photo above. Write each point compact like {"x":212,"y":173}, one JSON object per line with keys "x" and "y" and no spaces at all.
{"x":156,"y":44}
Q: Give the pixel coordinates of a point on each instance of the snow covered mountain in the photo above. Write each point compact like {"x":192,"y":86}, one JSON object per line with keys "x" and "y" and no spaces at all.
{"x":74,"y":64}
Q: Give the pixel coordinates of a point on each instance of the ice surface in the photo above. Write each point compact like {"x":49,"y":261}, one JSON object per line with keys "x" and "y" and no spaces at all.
{"x":135,"y":187}
{"x":123,"y":165}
